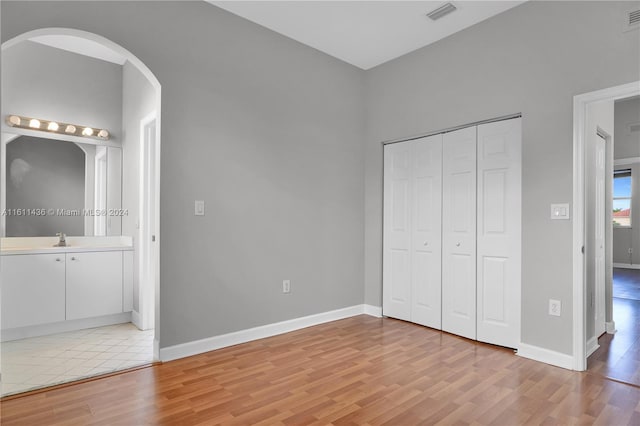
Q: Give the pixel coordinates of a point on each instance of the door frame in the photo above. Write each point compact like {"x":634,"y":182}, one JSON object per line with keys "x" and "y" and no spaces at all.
{"x":148,"y":281}
{"x":580,"y":103}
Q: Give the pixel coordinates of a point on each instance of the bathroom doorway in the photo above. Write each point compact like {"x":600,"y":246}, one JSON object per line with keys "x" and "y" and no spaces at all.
{"x":53,"y":353}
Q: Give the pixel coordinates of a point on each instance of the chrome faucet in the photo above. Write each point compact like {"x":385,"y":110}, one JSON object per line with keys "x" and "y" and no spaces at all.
{"x":63,"y":241}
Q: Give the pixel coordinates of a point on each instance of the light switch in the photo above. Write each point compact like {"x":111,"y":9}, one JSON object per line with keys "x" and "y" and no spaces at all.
{"x":560,"y":211}
{"x":199,"y":208}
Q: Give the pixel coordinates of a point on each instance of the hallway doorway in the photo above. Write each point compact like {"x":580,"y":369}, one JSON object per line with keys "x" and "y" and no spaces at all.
{"x":619,"y":354}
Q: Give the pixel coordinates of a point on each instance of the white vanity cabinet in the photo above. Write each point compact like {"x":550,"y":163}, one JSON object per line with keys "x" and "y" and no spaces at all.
{"x":94,"y":284}
{"x":33,"y":289}
{"x":46,"y":289}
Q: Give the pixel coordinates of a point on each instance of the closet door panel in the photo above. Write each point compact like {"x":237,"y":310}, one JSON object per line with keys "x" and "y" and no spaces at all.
{"x":499,"y":232}
{"x":396,"y":257}
{"x":427,"y":230}
{"x":459,"y":233}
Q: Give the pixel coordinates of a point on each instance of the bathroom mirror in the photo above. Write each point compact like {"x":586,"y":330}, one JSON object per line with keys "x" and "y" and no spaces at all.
{"x":50,"y":186}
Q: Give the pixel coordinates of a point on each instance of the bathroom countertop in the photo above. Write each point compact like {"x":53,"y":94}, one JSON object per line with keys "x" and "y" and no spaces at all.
{"x":46,"y":245}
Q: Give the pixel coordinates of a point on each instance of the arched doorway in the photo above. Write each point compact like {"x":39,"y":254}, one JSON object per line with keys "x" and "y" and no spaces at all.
{"x":145,"y":233}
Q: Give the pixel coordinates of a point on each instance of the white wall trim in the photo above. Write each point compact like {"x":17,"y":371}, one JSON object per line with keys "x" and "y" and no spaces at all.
{"x":135,"y":319}
{"x":626,"y":266}
{"x":230,"y":339}
{"x":592,"y":346}
{"x":610,"y":327}
{"x":374,"y":311}
{"x":580,"y":102}
{"x":626,"y":161}
{"x":547,"y":356}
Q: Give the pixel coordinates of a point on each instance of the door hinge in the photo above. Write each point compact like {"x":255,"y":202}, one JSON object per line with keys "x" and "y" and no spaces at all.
{"x":153,"y":238}
{"x":582,"y":249}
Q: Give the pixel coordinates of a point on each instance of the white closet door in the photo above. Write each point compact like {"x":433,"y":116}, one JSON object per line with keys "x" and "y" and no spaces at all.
{"x":396,"y":256}
{"x":499,"y":232}
{"x":459,"y":233}
{"x":426,"y":254}
{"x":600,"y":223}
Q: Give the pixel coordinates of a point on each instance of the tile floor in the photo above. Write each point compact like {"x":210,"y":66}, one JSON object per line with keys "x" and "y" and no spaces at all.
{"x":48,"y":360}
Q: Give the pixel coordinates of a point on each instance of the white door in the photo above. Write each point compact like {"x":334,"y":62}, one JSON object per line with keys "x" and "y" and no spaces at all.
{"x":426,"y":238}
{"x":459,"y":232}
{"x":600,"y":223}
{"x":396,"y":257}
{"x":499,"y":232}
{"x":147,"y":266}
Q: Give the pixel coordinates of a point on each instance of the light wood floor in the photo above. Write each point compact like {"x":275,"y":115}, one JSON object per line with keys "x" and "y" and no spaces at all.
{"x":619,"y":354}
{"x":361,"y":370}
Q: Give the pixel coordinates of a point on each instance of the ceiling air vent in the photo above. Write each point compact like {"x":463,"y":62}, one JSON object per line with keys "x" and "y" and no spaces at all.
{"x":632,"y":20}
{"x":443,"y":10}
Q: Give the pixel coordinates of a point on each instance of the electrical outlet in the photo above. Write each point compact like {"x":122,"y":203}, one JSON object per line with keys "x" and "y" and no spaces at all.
{"x":555,"y":307}
{"x":286,"y":286}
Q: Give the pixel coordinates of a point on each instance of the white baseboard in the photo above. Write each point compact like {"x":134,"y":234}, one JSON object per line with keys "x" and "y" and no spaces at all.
{"x":63,"y":326}
{"x":545,"y":355}
{"x":374,"y":311}
{"x":136,"y":320}
{"x":230,"y":339}
{"x":610,"y":327}
{"x":592,"y":346}
{"x":626,"y":265}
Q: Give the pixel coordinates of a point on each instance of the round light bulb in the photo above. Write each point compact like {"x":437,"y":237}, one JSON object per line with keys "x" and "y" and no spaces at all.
{"x":88,"y":131}
{"x":70,"y":128}
{"x":14,"y":120}
{"x":34,"y":123}
{"x":53,"y":126}
{"x":103,"y":134}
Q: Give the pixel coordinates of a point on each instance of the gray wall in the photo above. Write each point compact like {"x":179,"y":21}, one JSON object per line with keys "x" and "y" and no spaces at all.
{"x":138,"y":101}
{"x":627,"y":144}
{"x":44,"y":174}
{"x":531,"y":59}
{"x":269,"y":133}
{"x":44,"y":82}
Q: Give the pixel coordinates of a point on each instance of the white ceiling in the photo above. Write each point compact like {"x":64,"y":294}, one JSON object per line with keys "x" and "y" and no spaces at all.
{"x":81,"y":46}
{"x":364,"y":33}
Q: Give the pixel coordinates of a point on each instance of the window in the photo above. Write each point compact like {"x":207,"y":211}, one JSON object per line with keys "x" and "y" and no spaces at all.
{"x":622,"y":198}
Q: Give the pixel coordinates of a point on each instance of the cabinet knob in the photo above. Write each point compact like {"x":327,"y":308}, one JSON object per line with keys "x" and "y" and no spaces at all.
{"x":457,"y":244}
{"x":426,"y":243}
{"x":73,"y":258}
{"x":58,"y":259}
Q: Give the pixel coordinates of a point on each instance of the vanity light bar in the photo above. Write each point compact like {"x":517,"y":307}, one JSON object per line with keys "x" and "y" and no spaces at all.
{"x":56,"y":127}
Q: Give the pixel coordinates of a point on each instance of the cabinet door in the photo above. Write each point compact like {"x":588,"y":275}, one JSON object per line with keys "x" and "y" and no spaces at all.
{"x":94,"y":284}
{"x":32,"y":289}
{"x":396,"y":256}
{"x":499,"y":232}
{"x":459,"y":232}
{"x":426,"y":253}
